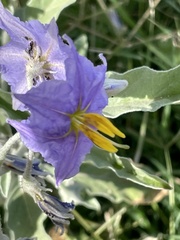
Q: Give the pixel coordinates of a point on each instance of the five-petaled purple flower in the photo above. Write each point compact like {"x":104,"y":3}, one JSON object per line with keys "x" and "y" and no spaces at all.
{"x":35,"y":53}
{"x":65,"y":116}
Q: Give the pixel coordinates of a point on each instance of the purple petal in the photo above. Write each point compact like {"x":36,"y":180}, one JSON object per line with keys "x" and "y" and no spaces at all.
{"x":12,"y":25}
{"x":90,"y":78}
{"x":65,"y":154}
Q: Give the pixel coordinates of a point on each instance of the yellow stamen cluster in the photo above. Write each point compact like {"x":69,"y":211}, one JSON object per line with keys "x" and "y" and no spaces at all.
{"x":91,"y":124}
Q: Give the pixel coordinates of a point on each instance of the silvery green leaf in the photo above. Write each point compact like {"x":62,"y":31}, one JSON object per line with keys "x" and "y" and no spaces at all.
{"x":148,"y":90}
{"x":43,"y":10}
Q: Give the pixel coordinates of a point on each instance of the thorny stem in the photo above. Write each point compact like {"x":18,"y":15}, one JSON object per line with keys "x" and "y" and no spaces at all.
{"x":7,"y":146}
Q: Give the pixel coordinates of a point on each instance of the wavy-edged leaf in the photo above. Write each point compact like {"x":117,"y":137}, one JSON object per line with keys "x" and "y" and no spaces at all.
{"x":117,"y":179}
{"x":148,"y":90}
{"x":124,"y":168}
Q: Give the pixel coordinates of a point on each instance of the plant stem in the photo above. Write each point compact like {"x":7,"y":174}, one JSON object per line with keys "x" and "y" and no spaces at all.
{"x":171,"y":193}
{"x":86,"y":225}
{"x":142,"y":136}
{"x":27,"y":171}
{"x":7,"y":146}
{"x":103,"y":227}
{"x":174,"y":139}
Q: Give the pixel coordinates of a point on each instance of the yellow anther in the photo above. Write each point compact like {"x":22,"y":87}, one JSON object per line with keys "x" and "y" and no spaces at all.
{"x":98,"y":139}
{"x":102,"y":124}
{"x":91,"y":124}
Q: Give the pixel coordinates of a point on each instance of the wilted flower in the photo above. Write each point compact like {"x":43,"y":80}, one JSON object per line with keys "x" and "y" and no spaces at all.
{"x":59,"y":212}
{"x":65,"y":116}
{"x":34,"y":54}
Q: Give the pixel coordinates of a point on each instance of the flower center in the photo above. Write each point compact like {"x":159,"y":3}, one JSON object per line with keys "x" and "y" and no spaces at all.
{"x":93,"y":125}
{"x":38,"y":68}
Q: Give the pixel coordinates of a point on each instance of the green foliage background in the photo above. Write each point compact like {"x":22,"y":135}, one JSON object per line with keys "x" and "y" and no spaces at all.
{"x":117,"y":198}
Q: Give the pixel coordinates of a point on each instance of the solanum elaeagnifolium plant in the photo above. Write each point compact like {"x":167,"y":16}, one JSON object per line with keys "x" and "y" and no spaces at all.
{"x":68,"y":101}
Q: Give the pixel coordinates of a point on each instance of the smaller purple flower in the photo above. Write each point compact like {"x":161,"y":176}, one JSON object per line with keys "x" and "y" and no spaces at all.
{"x":35,"y":53}
{"x":114,"y":86}
{"x":18,"y":165}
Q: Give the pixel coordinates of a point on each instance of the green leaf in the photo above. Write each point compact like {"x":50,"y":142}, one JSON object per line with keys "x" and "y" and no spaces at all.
{"x":81,"y":44}
{"x":40,"y":232}
{"x":6,"y":105}
{"x":117,"y":179}
{"x":104,"y":183}
{"x":76,"y":191}
{"x":43,"y":10}
{"x":124,"y":168}
{"x":148,"y":90}
{"x":4,"y":127}
{"x":5,"y":182}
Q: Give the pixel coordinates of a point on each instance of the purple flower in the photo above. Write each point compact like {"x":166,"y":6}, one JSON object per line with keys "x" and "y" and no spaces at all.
{"x":34,"y":54}
{"x":65,"y":116}
{"x":18,"y":165}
